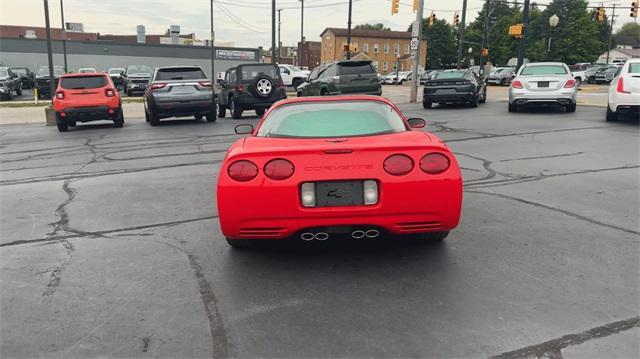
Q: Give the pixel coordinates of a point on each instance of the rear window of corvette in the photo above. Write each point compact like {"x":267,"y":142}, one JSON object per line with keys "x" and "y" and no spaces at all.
{"x":331,"y":119}
{"x":83,"y":82}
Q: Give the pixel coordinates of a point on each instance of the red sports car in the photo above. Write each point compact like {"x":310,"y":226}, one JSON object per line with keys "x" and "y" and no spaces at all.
{"x":352,"y":167}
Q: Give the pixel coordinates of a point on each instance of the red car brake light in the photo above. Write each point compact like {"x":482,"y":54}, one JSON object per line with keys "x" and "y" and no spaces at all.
{"x":434,"y":163}
{"x":570,"y":84}
{"x":279,"y":169}
{"x":205,"y":83}
{"x":398,"y":165}
{"x":109,"y":92}
{"x":240,"y":88}
{"x":620,"y":86}
{"x":243,"y":171}
{"x":60,"y":95}
{"x":517,"y":84}
{"x":157,"y":85}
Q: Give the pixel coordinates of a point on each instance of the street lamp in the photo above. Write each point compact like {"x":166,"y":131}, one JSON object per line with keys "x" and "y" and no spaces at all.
{"x":553,"y":23}
{"x":470,"y":51}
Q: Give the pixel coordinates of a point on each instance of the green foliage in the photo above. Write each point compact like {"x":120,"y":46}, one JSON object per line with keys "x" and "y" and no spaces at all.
{"x":629,"y":29}
{"x":441,"y":44}
{"x":378,"y":26}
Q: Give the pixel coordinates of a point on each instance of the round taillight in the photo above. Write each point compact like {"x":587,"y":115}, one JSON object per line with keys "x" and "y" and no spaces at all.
{"x":279,"y":169}
{"x":243,"y":171}
{"x":434,"y":163}
{"x":398,"y":165}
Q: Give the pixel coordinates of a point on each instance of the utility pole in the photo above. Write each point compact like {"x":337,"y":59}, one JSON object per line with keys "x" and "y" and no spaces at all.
{"x":461,"y":33}
{"x":274,"y":58}
{"x":349,"y":33}
{"x":485,"y":38}
{"x":214,"y":76}
{"x":52,"y":86}
{"x":525,"y":29}
{"x":613,"y":16}
{"x":279,"y":43}
{"x":301,"y":50}
{"x":416,"y":54}
{"x":64,"y":37}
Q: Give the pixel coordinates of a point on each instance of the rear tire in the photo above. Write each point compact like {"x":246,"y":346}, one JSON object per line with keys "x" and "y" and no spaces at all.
{"x":197,"y":117}
{"x":578,"y":82}
{"x":591,"y":80}
{"x":62,"y":124}
{"x":235,"y":109}
{"x":19,"y":91}
{"x":426,"y":104}
{"x":153,"y":118}
{"x":118,"y":122}
{"x":240,"y":243}
{"x":611,"y":115}
{"x":513,"y":108}
{"x":474,"y":103}
{"x":571,"y":108}
{"x":211,"y":117}
{"x":222,"y":112}
{"x":296,"y":82}
{"x":260,"y":111}
{"x":503,"y":82}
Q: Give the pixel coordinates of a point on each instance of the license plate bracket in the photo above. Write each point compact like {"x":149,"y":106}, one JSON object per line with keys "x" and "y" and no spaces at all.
{"x":339,"y":193}
{"x":543,"y":83}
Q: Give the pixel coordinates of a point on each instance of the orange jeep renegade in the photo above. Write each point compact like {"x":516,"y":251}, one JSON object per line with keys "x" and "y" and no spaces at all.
{"x":86,"y":97}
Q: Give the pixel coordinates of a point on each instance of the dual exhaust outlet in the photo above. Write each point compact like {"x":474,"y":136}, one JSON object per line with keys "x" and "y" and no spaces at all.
{"x":323,"y":236}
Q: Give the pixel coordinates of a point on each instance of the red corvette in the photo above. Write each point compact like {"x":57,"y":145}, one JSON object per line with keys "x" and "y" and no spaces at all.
{"x":337,"y":167}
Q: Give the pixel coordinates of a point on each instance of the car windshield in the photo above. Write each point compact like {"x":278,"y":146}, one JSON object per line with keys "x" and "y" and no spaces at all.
{"x":135,"y":69}
{"x":44,"y":71}
{"x":449,"y":75}
{"x":4,"y":72}
{"x":21,"y":72}
{"x":634,"y":68}
{"x":115,"y":71}
{"x":252,"y":71}
{"x":180,"y":73}
{"x":499,"y":70}
{"x":294,"y":68}
{"x":332,"y":119}
{"x":82,"y":82}
{"x":543,"y":70}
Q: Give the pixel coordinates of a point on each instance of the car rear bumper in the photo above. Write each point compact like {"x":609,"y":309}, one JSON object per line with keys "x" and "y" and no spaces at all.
{"x":551,"y":97}
{"x":460,"y":97}
{"x":182,"y":107}
{"x":248,"y":101}
{"x":246,"y":212}
{"x":87,"y":114}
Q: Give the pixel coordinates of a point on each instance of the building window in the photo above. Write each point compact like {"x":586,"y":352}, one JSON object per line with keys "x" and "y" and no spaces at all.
{"x":375,"y":65}
{"x":365,"y":48}
{"x":396,"y":49}
{"x":386,"y":48}
{"x":407,"y":49}
{"x":385,"y":66}
{"x":376,"y":48}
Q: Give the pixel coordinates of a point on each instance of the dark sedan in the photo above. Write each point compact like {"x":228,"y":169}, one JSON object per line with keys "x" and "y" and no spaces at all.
{"x":454,"y":86}
{"x":27,"y":77}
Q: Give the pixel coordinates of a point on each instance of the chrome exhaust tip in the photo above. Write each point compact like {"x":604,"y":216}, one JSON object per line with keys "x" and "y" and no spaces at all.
{"x":307,"y":236}
{"x":358,"y":234}
{"x":372,"y":233}
{"x":322,"y":236}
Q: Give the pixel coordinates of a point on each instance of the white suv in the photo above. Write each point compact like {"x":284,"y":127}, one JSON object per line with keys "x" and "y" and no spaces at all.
{"x":292,"y":75}
{"x":624,"y":91}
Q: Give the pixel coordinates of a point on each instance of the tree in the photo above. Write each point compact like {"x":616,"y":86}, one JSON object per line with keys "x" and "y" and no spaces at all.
{"x":378,"y":26}
{"x":629,"y":29}
{"x":441,"y":44}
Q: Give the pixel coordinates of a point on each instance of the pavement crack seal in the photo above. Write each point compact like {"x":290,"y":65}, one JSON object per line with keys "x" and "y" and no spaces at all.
{"x":553,"y":348}
{"x":219,"y":334}
{"x":556,"y":209}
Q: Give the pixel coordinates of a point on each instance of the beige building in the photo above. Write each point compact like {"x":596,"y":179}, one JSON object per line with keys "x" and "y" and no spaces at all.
{"x":384,"y":48}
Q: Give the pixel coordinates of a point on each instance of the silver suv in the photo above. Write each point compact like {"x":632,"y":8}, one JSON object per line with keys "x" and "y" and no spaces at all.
{"x":179,"y":91}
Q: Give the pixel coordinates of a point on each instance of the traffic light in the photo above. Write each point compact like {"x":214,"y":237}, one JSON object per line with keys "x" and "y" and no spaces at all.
{"x":515,"y":30}
{"x":484,"y":52}
{"x":600,"y":14}
{"x":432,"y":18}
{"x":456,"y":19}
{"x":416,"y":5}
{"x":634,"y":8}
{"x":395,"y":6}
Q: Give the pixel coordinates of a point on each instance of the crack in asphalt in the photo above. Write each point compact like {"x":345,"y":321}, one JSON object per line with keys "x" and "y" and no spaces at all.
{"x":559,"y":210}
{"x":541,"y":157}
{"x":553,"y":348}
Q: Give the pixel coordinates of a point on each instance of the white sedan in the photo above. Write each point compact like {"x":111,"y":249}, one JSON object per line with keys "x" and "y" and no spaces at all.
{"x":624,"y":91}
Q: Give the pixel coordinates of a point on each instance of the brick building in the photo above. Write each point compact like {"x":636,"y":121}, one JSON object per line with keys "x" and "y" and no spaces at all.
{"x":309,"y":54}
{"x":384,"y":48}
{"x":36,"y":32}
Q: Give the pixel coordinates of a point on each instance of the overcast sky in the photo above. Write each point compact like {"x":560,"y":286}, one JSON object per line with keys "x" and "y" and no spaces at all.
{"x":246,"y":22}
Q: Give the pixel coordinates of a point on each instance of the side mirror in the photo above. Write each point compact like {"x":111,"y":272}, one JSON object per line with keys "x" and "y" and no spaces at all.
{"x":244,"y":129}
{"x":417,"y":122}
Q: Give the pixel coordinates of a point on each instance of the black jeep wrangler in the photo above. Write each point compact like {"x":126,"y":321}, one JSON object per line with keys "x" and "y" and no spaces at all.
{"x":250,"y":87}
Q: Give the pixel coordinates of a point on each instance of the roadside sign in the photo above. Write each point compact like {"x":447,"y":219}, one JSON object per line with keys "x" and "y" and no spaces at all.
{"x":415,"y":29}
{"x":414,"y":44}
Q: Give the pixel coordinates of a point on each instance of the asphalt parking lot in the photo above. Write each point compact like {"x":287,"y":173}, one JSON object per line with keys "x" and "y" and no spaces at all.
{"x":111,"y":248}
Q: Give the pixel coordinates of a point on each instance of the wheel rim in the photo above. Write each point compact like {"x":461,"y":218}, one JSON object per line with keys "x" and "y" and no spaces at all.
{"x":264,"y":87}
